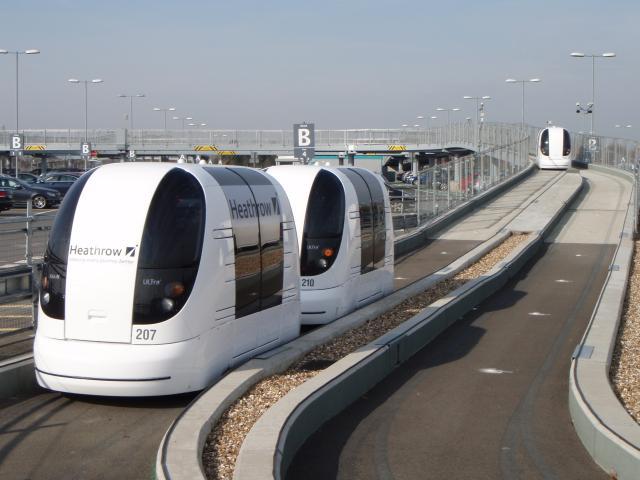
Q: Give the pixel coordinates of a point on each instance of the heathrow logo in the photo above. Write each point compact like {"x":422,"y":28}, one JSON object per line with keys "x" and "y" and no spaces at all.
{"x":103,"y":254}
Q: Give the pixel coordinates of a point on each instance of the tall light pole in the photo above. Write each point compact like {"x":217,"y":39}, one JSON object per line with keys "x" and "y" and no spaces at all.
{"x":478,"y":100}
{"x":86,"y":103}
{"x":131,"y":97}
{"x":17,"y":53}
{"x":31,"y":51}
{"x":165,"y":110}
{"x":523,"y":82}
{"x":448,"y":110}
{"x":183,"y":119}
{"x":593,"y":76}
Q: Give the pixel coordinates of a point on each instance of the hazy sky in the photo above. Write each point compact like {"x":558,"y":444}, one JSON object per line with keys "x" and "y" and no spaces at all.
{"x":342,"y":64}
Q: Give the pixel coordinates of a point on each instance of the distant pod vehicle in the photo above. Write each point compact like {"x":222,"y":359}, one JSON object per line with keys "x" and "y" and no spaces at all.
{"x":554,"y":149}
{"x":345,"y":234}
{"x":160,"y":291}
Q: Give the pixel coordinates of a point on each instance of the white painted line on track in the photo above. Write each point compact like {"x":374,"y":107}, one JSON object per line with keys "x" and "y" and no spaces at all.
{"x":494,"y":371}
{"x":539,"y":314}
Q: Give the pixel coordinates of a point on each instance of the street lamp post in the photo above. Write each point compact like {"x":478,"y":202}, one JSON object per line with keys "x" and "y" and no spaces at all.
{"x":165,"y":110}
{"x":131,"y":97}
{"x":593,"y":77}
{"x":448,"y":110}
{"x":86,"y":103}
{"x":17,"y":53}
{"x":523,"y":82}
{"x":86,"y":107}
{"x":183,"y":119}
{"x":477,"y":99}
{"x":31,"y":51}
{"x":479,"y":103}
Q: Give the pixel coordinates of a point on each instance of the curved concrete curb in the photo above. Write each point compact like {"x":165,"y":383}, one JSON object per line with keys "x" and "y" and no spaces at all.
{"x":411,"y":241}
{"x":275,"y":438}
{"x":179,"y":456}
{"x":608,"y":432}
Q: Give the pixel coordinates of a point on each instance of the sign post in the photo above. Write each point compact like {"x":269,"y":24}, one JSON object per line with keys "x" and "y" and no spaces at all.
{"x":17,"y":148}
{"x":304,"y":142}
{"x":85,"y":153}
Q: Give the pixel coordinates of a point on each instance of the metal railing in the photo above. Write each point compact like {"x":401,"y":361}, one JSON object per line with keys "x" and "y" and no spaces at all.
{"x":23,"y":240}
{"x":253,"y":140}
{"x":502,"y":150}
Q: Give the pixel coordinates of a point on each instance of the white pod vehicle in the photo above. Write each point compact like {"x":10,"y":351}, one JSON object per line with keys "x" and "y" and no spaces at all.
{"x":345,"y":233}
{"x":159,"y":277}
{"x":554,"y":149}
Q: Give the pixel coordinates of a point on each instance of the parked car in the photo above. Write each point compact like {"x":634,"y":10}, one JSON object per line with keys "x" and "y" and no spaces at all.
{"x":40,"y":197}
{"x":28,"y":177}
{"x":60,"y":181}
{"x":6,"y":199}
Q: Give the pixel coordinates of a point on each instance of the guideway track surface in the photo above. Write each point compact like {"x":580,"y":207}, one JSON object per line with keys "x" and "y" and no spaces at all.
{"x":440,"y":416}
{"x":115,"y":438}
{"x":476,"y":227}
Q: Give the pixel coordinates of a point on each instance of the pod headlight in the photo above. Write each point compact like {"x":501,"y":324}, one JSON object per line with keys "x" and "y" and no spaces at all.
{"x":46,"y":298}
{"x":167,"y":305}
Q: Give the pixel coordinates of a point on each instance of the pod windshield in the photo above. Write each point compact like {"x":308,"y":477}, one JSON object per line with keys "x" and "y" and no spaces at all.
{"x":544,"y":142}
{"x":323,"y":224}
{"x":170,"y":249}
{"x":566,"y":143}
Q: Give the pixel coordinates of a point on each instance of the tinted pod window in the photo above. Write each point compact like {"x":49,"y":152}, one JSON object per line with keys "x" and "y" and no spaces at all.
{"x":323,"y":224}
{"x":566,"y":143}
{"x":544,"y":142}
{"x":256,"y":222}
{"x":54,"y":268}
{"x":372,"y":218}
{"x":271,"y":241}
{"x":377,"y":213}
{"x":170,"y":248}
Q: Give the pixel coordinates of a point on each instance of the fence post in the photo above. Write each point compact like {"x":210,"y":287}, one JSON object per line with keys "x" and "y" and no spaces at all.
{"x":30,"y":263}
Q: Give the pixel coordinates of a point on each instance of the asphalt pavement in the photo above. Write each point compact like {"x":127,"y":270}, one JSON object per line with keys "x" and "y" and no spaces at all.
{"x":488,"y":398}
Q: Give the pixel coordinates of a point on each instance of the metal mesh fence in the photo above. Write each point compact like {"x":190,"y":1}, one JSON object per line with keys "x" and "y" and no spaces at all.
{"x":502,"y":150}
{"x":23,"y":239}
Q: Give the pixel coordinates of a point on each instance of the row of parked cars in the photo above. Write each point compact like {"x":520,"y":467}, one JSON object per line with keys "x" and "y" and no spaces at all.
{"x":44,"y":191}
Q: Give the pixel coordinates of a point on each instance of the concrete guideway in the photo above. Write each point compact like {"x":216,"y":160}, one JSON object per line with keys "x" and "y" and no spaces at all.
{"x":179,"y":457}
{"x":510,"y":356}
{"x":483,"y":223}
{"x":288,"y":423}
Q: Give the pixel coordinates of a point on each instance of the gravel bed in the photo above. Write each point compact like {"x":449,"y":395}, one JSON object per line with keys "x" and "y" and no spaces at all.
{"x":224,"y":442}
{"x":625,"y":364}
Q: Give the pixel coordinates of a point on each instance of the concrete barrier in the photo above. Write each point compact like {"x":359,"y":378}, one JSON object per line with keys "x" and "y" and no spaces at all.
{"x":608,"y":432}
{"x":273,"y":441}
